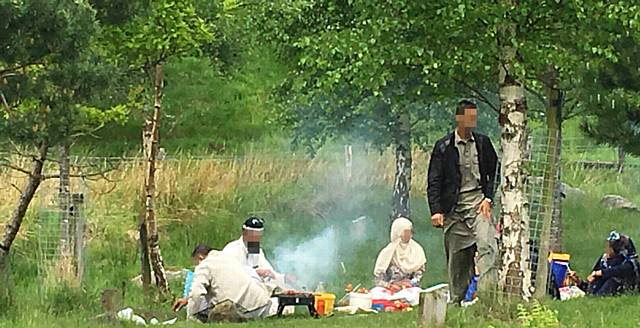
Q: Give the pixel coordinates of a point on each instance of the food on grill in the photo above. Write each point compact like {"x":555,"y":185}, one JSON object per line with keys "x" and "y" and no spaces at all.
{"x":295,"y":292}
{"x":363,"y":290}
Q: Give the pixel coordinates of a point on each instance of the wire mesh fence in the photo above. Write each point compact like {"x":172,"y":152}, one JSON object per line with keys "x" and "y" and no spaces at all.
{"x":542,"y":195}
{"x":61,"y":232}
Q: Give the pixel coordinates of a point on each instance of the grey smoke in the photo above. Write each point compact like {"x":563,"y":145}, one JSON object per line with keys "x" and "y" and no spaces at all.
{"x":312,"y":261}
{"x":318,"y":259}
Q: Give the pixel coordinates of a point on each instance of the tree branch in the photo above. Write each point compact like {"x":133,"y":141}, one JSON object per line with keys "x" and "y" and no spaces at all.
{"x":16,"y":188}
{"x":16,"y":151}
{"x":571,"y":113}
{"x":479,"y":95}
{"x":4,"y":72}
{"x":101,"y":174}
{"x":4,"y":101}
{"x":537,"y":94}
{"x":16,"y":168}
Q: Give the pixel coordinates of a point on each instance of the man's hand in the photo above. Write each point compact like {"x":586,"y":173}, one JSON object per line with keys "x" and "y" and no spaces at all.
{"x":179,"y":304}
{"x":406,"y":283}
{"x":485,"y":209}
{"x":394,"y":287}
{"x":437,"y":220}
{"x":595,"y":274}
{"x":264,"y":273}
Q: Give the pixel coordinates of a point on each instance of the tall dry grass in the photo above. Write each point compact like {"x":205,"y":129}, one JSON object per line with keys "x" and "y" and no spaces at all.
{"x":190,"y":187}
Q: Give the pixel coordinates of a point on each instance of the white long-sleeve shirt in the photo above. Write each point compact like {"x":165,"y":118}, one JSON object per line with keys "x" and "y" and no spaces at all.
{"x":238,"y":250}
{"x":220,"y":277}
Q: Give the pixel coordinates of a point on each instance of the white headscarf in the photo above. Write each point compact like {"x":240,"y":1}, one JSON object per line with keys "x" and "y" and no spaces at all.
{"x":408,"y":257}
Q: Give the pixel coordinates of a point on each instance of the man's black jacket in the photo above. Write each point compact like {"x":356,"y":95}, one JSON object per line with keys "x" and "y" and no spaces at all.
{"x":444,"y":177}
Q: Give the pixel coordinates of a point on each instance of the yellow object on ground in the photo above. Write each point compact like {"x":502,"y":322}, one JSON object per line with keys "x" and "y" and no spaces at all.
{"x":324,"y":303}
{"x":559,"y":257}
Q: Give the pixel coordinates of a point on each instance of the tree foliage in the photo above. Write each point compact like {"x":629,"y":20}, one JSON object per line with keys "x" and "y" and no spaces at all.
{"x":611,"y":95}
{"x":51,"y":84}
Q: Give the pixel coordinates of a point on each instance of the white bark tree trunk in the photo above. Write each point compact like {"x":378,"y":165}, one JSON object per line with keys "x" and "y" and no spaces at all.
{"x":145,"y":266}
{"x":151,"y":151}
{"x":515,"y":276}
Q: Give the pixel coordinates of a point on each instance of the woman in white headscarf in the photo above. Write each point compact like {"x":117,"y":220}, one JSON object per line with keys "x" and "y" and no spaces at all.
{"x":401,"y":263}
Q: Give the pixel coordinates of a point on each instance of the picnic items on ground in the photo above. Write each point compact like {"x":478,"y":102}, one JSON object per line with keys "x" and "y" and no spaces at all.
{"x":380,"y":299}
{"x":560,"y":280}
{"x":293,"y":298}
{"x":360,"y":300}
{"x":318,"y":304}
{"x":569,"y":292}
{"x":128,"y":315}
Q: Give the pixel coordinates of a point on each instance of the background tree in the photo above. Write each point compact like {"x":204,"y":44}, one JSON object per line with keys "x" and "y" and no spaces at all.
{"x":364,"y":69}
{"x":612,"y":97}
{"x":166,"y":29}
{"x":48,"y":88}
{"x":381,"y":69}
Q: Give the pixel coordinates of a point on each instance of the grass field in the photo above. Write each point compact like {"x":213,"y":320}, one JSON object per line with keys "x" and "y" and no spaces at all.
{"x":206,"y":201}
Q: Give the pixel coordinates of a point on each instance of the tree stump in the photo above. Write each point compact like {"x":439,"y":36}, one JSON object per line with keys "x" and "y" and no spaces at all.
{"x":432,"y":311}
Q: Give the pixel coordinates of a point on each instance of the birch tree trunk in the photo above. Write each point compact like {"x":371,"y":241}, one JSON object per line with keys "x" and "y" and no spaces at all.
{"x":402,"y":181}
{"x":550,"y":178}
{"x":515,"y":277}
{"x":145,"y":266}
{"x":15,"y":221}
{"x":151,"y":151}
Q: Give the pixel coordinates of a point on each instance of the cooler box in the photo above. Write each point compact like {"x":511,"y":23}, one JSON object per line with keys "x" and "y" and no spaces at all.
{"x":324,"y":303}
{"x":360,"y":300}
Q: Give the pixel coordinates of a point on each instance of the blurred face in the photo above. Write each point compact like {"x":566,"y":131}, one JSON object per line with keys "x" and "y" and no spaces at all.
{"x":406,"y":236}
{"x":251,"y":236}
{"x":608,"y":250}
{"x":196,"y":260}
{"x":469,"y":120}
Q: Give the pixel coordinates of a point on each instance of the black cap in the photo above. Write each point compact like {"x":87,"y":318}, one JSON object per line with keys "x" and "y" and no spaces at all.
{"x":253,"y":223}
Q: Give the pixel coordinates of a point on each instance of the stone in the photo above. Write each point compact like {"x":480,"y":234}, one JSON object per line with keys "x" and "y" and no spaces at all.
{"x":618,"y":202}
{"x":571,"y":192}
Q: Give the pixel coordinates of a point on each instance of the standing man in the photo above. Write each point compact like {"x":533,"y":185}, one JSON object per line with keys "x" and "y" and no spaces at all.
{"x":460,"y":193}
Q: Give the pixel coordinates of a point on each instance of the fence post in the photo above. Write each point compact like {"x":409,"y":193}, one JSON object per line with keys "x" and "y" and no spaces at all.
{"x":79,"y":218}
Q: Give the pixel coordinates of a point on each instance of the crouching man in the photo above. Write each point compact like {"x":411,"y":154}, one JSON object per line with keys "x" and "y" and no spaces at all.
{"x":223,"y":291}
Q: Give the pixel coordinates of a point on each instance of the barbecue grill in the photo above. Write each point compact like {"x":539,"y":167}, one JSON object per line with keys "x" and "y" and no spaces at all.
{"x":305,"y":299}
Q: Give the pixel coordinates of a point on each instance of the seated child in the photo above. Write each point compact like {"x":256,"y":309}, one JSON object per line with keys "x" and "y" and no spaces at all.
{"x":617,"y":269}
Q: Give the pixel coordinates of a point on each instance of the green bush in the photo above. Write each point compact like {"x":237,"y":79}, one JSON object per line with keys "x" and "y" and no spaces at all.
{"x":537,"y":316}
